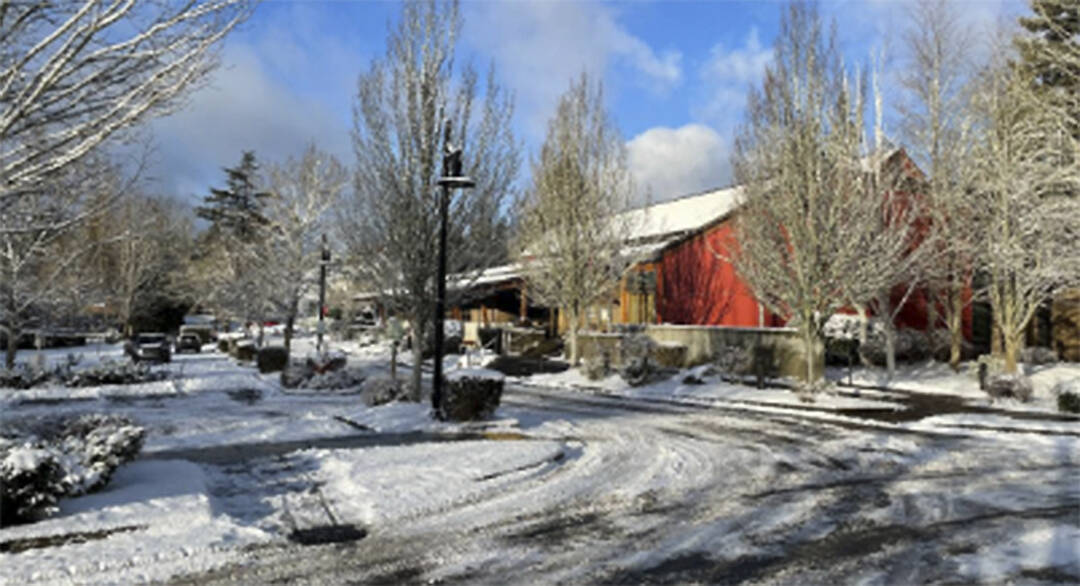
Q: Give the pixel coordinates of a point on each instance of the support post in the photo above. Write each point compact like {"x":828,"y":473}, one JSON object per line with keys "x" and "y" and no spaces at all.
{"x":324,"y":260}
{"x":440,"y":295}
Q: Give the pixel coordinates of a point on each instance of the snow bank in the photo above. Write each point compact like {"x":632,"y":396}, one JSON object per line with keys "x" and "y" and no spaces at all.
{"x":166,"y":515}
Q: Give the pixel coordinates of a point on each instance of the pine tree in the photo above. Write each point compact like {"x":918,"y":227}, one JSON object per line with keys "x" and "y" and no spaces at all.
{"x":1050,"y":53}
{"x":237,"y":210}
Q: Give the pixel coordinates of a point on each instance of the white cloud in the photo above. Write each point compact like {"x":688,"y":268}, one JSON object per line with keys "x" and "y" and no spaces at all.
{"x":671,"y":162}
{"x":243,"y":108}
{"x":539,"y":47}
{"x":725,"y":77}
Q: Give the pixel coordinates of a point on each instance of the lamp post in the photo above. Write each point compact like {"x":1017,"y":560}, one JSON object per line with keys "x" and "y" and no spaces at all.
{"x":451,"y":179}
{"x":323,"y":261}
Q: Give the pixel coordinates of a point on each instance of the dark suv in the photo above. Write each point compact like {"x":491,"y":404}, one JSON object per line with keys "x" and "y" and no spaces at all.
{"x":152,"y":347}
{"x":188,"y":342}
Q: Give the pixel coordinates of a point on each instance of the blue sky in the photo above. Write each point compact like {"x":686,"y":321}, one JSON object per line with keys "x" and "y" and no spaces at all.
{"x":675,"y":74}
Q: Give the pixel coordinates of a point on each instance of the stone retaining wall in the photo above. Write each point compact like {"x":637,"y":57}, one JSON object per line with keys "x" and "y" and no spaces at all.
{"x":780,"y":349}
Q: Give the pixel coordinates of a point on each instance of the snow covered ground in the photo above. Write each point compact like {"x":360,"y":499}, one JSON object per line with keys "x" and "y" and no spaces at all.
{"x":939,"y":378}
{"x":664,"y":483}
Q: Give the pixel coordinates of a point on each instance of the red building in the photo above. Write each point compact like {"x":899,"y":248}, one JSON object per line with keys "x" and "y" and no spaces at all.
{"x":682,"y":276}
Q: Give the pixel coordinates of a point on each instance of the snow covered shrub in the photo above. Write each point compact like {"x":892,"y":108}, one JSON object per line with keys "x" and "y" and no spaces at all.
{"x":31,"y":481}
{"x":1036,"y":355}
{"x":470,"y":395}
{"x":272,"y":359}
{"x":597,"y":367}
{"x":336,"y":380}
{"x":324,"y":362}
{"x":66,"y":457}
{"x":223,"y":345}
{"x":635,"y":352}
{"x":93,"y":447}
{"x":23,"y":376}
{"x":381,"y":390}
{"x":733,"y":361}
{"x":1010,"y":386}
{"x":1068,"y":395}
{"x":115,"y":373}
{"x":244,"y":351}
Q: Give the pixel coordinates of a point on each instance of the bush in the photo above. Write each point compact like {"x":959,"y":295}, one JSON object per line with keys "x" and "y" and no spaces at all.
{"x":66,"y":457}
{"x":638,"y":366}
{"x":23,"y":376}
{"x":1010,"y":386}
{"x":115,"y":373}
{"x":733,"y":361}
{"x":910,"y":345}
{"x":326,"y":362}
{"x":597,"y":367}
{"x":381,"y":390}
{"x":1068,"y":395}
{"x":31,"y":481}
{"x":101,"y":443}
{"x":223,"y":345}
{"x":244,"y":351}
{"x":272,"y":359}
{"x":337,"y":380}
{"x":1036,"y":355}
{"x":470,"y":395}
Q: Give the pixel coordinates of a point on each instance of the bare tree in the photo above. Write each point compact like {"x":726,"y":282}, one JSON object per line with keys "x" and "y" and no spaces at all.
{"x":390,"y":220}
{"x":936,"y":126}
{"x":303,"y":191}
{"x":37,"y":249}
{"x":74,"y":73}
{"x":818,"y":221}
{"x":148,"y":234}
{"x":572,"y":239}
{"x":1027,"y":166}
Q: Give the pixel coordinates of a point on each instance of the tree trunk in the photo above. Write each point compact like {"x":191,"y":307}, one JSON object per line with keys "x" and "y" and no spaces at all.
{"x":12,"y":346}
{"x":1012,"y":352}
{"x":290,"y":323}
{"x":956,"y":336}
{"x":808,"y":351}
{"x":863,"y":335}
{"x":393,"y":360}
{"x":572,"y":331}
{"x":997,"y":344}
{"x":417,"y":360}
{"x":890,"y":351}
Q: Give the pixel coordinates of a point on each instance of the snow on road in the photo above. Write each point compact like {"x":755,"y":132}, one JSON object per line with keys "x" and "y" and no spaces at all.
{"x":668,"y":483}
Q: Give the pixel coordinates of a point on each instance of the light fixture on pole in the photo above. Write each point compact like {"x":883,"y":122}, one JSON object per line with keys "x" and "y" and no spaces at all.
{"x":451,"y":179}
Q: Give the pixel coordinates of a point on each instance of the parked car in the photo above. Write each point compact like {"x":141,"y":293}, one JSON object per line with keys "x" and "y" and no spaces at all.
{"x":205,"y":332}
{"x":151,"y":347}
{"x":188,"y":342}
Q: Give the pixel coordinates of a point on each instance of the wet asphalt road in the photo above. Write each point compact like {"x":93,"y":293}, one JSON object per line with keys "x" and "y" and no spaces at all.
{"x":654,"y":492}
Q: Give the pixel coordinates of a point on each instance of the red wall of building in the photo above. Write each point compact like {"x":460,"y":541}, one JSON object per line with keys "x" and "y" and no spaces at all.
{"x":696,"y":287}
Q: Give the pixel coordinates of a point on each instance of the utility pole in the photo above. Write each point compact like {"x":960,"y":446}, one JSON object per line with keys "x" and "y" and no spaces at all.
{"x":323,"y":261}
{"x":451,"y":179}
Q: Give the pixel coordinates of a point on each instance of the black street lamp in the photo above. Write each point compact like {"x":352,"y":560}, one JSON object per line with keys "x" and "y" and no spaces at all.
{"x":451,"y":179}
{"x":324,"y":260}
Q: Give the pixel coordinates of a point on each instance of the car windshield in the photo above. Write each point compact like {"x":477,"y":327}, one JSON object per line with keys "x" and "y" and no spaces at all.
{"x":151,"y":338}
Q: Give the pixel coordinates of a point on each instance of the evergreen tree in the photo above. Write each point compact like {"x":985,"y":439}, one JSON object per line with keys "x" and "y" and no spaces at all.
{"x":237,"y":210}
{"x":1050,"y":53}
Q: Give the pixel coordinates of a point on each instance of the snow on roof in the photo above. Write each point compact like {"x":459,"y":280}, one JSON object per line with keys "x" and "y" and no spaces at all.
{"x":651,"y":227}
{"x":680,"y":216}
